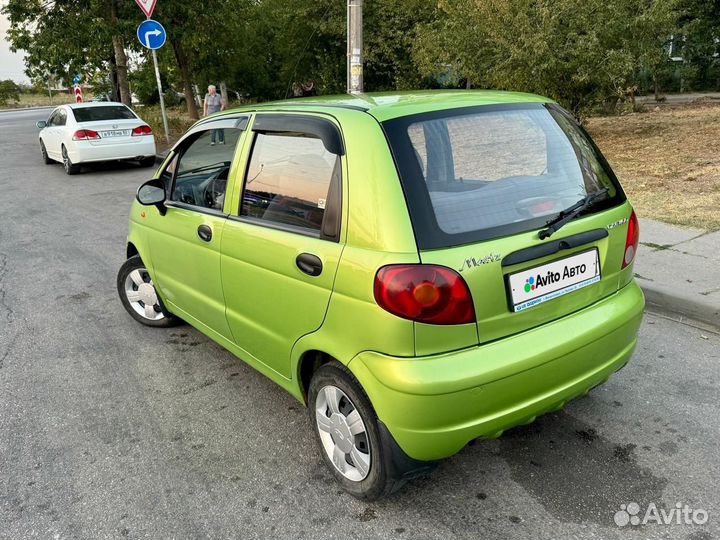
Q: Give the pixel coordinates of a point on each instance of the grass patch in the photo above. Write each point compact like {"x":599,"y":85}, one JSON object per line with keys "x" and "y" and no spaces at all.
{"x":668,"y":161}
{"x":40,"y":100}
{"x":178,"y":122}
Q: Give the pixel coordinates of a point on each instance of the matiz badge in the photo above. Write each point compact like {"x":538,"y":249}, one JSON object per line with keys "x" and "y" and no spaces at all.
{"x":617,"y":224}
{"x":473,"y":262}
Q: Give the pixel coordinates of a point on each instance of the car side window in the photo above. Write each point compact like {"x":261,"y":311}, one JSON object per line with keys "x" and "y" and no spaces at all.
{"x":291,"y":180}
{"x":60,"y":118}
{"x":201,"y":171}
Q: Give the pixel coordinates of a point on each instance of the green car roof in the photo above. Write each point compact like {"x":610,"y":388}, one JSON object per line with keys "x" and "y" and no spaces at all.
{"x":388,"y":105}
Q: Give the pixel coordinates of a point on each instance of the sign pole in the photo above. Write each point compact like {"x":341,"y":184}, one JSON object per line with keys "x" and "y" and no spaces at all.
{"x":152,"y":35}
{"x":355,"y":84}
{"x":162,"y":98}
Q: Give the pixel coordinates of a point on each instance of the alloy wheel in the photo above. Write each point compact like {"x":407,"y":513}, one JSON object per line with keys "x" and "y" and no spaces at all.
{"x":66,"y":160}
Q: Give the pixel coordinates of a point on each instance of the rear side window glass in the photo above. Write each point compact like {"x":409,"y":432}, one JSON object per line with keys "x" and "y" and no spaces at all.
{"x":105,"y":112}
{"x":289,"y":179}
{"x":493,"y":171}
{"x":58,"y":118}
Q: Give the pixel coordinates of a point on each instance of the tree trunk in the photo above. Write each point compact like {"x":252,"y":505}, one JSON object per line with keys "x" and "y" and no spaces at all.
{"x":182,"y":63}
{"x":656,"y":87}
{"x":120,"y":58}
{"x":223,"y":93}
{"x":122,"y":73}
{"x":115,"y":92}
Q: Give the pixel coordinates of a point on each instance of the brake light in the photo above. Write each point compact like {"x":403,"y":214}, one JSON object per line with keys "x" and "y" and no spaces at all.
{"x":141,"y":130}
{"x":424,"y":293}
{"x":633,"y":238}
{"x":85,"y":134}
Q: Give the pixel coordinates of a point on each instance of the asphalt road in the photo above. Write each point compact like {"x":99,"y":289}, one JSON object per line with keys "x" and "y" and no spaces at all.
{"x":109,"y":429}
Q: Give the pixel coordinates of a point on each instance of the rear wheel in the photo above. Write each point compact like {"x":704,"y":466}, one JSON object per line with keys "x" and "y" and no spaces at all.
{"x":348,"y":435}
{"x":147,"y":162}
{"x":139,"y":297}
{"x":68,"y":165}
{"x":45,"y":157}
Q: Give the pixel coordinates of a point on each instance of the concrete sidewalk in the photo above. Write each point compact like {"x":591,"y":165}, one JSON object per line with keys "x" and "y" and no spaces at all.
{"x":679,"y":270}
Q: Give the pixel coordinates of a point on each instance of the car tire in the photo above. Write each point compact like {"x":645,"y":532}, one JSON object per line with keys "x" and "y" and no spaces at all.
{"x":68,"y":165}
{"x":138,"y":295}
{"x":147,"y":162}
{"x":46,"y":159}
{"x":364,"y":471}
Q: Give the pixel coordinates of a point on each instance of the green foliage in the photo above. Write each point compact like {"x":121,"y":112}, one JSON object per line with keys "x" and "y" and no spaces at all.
{"x":9,"y":91}
{"x":144,"y":84}
{"x":64,"y":37}
{"x":584,"y":53}
{"x":581,"y":52}
{"x":699,"y":33}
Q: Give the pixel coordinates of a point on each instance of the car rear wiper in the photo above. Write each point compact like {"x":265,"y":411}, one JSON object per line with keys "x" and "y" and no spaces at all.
{"x":567,"y":215}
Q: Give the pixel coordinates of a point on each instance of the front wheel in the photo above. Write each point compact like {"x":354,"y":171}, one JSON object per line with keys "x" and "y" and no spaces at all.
{"x":349,"y":436}
{"x":139,"y":297}
{"x":46,"y":159}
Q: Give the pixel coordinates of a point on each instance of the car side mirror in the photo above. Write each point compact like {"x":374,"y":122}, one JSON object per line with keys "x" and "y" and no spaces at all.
{"x":41,"y":124}
{"x":152,"y":193}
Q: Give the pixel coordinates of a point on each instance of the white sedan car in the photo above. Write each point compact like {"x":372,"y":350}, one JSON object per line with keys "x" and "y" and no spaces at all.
{"x":92,"y":132}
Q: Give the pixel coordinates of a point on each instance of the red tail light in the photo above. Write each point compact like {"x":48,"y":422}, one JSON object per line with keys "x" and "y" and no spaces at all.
{"x":85,"y":135}
{"x":424,"y":293}
{"x":141,"y":130}
{"x":633,"y":238}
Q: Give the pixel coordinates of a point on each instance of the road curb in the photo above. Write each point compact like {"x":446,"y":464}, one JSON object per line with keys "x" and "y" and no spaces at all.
{"x":21,"y":109}
{"x":704,"y":312}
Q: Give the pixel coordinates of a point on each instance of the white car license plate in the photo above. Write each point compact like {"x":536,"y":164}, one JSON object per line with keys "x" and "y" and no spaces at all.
{"x":115,"y":133}
{"x":542,"y":283}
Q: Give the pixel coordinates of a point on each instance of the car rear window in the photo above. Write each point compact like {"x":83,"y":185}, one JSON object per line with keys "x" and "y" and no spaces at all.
{"x":106,"y":112}
{"x":481,"y":173}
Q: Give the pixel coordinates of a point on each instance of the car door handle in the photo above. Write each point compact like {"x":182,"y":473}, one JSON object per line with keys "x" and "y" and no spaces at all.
{"x":309,"y":264}
{"x":205,"y":233}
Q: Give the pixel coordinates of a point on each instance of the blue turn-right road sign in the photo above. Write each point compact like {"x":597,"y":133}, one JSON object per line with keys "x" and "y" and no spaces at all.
{"x":151,"y":34}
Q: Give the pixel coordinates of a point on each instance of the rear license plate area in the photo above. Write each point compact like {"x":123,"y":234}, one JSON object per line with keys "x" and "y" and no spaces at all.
{"x":537,"y":285}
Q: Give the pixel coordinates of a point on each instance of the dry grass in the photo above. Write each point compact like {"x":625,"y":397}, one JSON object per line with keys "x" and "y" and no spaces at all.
{"x":40,"y":100}
{"x":668,"y":161}
{"x":178,"y":122}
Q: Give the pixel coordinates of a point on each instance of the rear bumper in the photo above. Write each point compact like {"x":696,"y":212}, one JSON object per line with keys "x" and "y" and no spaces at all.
{"x":87,"y":152}
{"x":433,"y":406}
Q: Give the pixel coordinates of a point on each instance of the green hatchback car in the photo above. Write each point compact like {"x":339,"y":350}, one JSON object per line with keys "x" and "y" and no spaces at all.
{"x":420,"y":269}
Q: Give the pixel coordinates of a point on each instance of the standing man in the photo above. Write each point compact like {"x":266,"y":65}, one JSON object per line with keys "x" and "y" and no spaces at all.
{"x":214,"y":103}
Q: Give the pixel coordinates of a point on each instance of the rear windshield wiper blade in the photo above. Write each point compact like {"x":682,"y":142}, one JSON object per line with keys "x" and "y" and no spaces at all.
{"x":567,"y":215}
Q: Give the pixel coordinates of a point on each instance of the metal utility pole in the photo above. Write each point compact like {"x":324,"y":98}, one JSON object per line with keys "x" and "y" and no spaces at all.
{"x":162,"y":99}
{"x":355,"y":47}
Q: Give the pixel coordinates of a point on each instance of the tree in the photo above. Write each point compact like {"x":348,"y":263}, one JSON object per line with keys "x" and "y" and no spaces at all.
{"x":699,"y":35}
{"x":118,"y":42}
{"x":9,"y":91}
{"x":64,"y":37}
{"x":580,"y":52}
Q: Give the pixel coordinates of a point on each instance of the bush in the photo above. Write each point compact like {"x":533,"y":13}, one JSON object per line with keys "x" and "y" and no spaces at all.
{"x":9,"y":91}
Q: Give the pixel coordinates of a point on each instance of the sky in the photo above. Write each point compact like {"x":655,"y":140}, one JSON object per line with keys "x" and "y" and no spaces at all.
{"x":11,"y":64}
